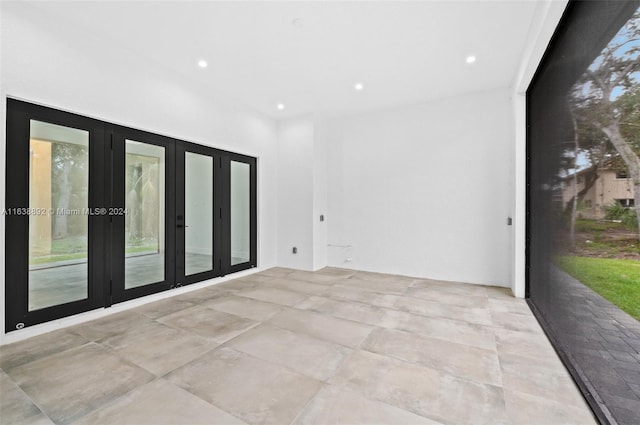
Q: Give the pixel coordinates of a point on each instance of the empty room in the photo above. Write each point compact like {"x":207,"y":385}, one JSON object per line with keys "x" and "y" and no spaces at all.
{"x":320,"y":212}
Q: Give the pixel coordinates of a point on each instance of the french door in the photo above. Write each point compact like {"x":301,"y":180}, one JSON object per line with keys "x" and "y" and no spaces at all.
{"x":143,"y":216}
{"x":98,"y":214}
{"x":199,"y":221}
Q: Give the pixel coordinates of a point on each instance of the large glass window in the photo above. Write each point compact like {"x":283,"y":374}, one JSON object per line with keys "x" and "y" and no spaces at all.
{"x":584,"y":184}
{"x":58,"y":221}
{"x":198,"y":190}
{"x":144,"y":213}
{"x":240,"y":212}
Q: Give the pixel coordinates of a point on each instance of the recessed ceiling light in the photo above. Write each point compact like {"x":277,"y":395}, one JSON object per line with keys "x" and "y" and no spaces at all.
{"x":358,"y":86}
{"x":202,"y":63}
{"x":298,"y":23}
{"x":471,"y":59}
{"x":280,"y":106}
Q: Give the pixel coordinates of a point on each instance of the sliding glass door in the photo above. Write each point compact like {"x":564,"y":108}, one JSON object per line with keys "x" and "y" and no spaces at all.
{"x":98,"y":214}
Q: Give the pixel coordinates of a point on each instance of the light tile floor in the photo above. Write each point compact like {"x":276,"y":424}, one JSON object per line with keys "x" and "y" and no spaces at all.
{"x":292,"y":347}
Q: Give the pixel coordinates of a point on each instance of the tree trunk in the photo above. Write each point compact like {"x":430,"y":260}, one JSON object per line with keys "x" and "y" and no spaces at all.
{"x":636,"y":204}
{"x":631,"y":159}
{"x":574,"y":209}
{"x":64,"y":195}
{"x":574,"y":206}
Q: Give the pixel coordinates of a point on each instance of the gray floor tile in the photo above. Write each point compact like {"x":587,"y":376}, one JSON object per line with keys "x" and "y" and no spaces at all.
{"x":500,"y":293}
{"x":254,"y":279}
{"x":392,"y":279}
{"x":159,"y":403}
{"x":350,"y":293}
{"x":277,"y":272}
{"x":542,"y":379}
{"x":526,"y":409}
{"x":333,"y":346}
{"x":357,"y":312}
{"x":480,"y":316}
{"x":339,"y":405}
{"x":450,"y":287}
{"x":424,"y":391}
{"x":313,"y":277}
{"x":251,"y":389}
{"x":437,"y":295}
{"x":111,"y":325}
{"x":389,"y":285}
{"x":244,"y":307}
{"x":307,"y":355}
{"x":437,"y":327}
{"x":340,"y":331}
{"x":509,"y":305}
{"x":70,"y":384}
{"x":311,"y":303}
{"x":165,"y":307}
{"x":516,"y":322}
{"x":274,"y":295}
{"x":22,"y":352}
{"x":207,"y":323}
{"x":336,"y":272}
{"x":464,"y":361}
{"x":158,"y":348}
{"x":200,"y":296}
{"x":296,"y":286}
{"x":16,"y":407}
{"x":526,"y":344}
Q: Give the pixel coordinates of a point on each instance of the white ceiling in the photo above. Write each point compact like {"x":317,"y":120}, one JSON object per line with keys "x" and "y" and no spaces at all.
{"x":403,"y":52}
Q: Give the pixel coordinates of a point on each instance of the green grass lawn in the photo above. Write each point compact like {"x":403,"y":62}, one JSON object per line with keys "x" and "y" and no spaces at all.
{"x":616,"y":280}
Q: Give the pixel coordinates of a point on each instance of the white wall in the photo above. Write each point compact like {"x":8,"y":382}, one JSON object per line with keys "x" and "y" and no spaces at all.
{"x":424,"y":190}
{"x":295,"y":192}
{"x":52,"y":62}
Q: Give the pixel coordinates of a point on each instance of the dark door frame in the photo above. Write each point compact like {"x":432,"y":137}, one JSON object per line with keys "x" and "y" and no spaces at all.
{"x":106,"y":231}
{"x":216,"y":219}
{"x":119,"y":135}
{"x":17,"y":311}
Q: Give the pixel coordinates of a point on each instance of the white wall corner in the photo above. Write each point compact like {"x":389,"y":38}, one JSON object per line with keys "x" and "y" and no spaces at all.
{"x":320,"y":197}
{"x":295,"y":192}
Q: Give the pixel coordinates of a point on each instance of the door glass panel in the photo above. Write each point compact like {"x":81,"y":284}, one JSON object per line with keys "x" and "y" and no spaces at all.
{"x":240,"y":213}
{"x":144,"y":214}
{"x":198,"y":236}
{"x":58,"y":216}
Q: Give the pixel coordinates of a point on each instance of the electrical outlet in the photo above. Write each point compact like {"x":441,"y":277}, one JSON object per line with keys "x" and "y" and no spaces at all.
{"x":295,"y":250}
